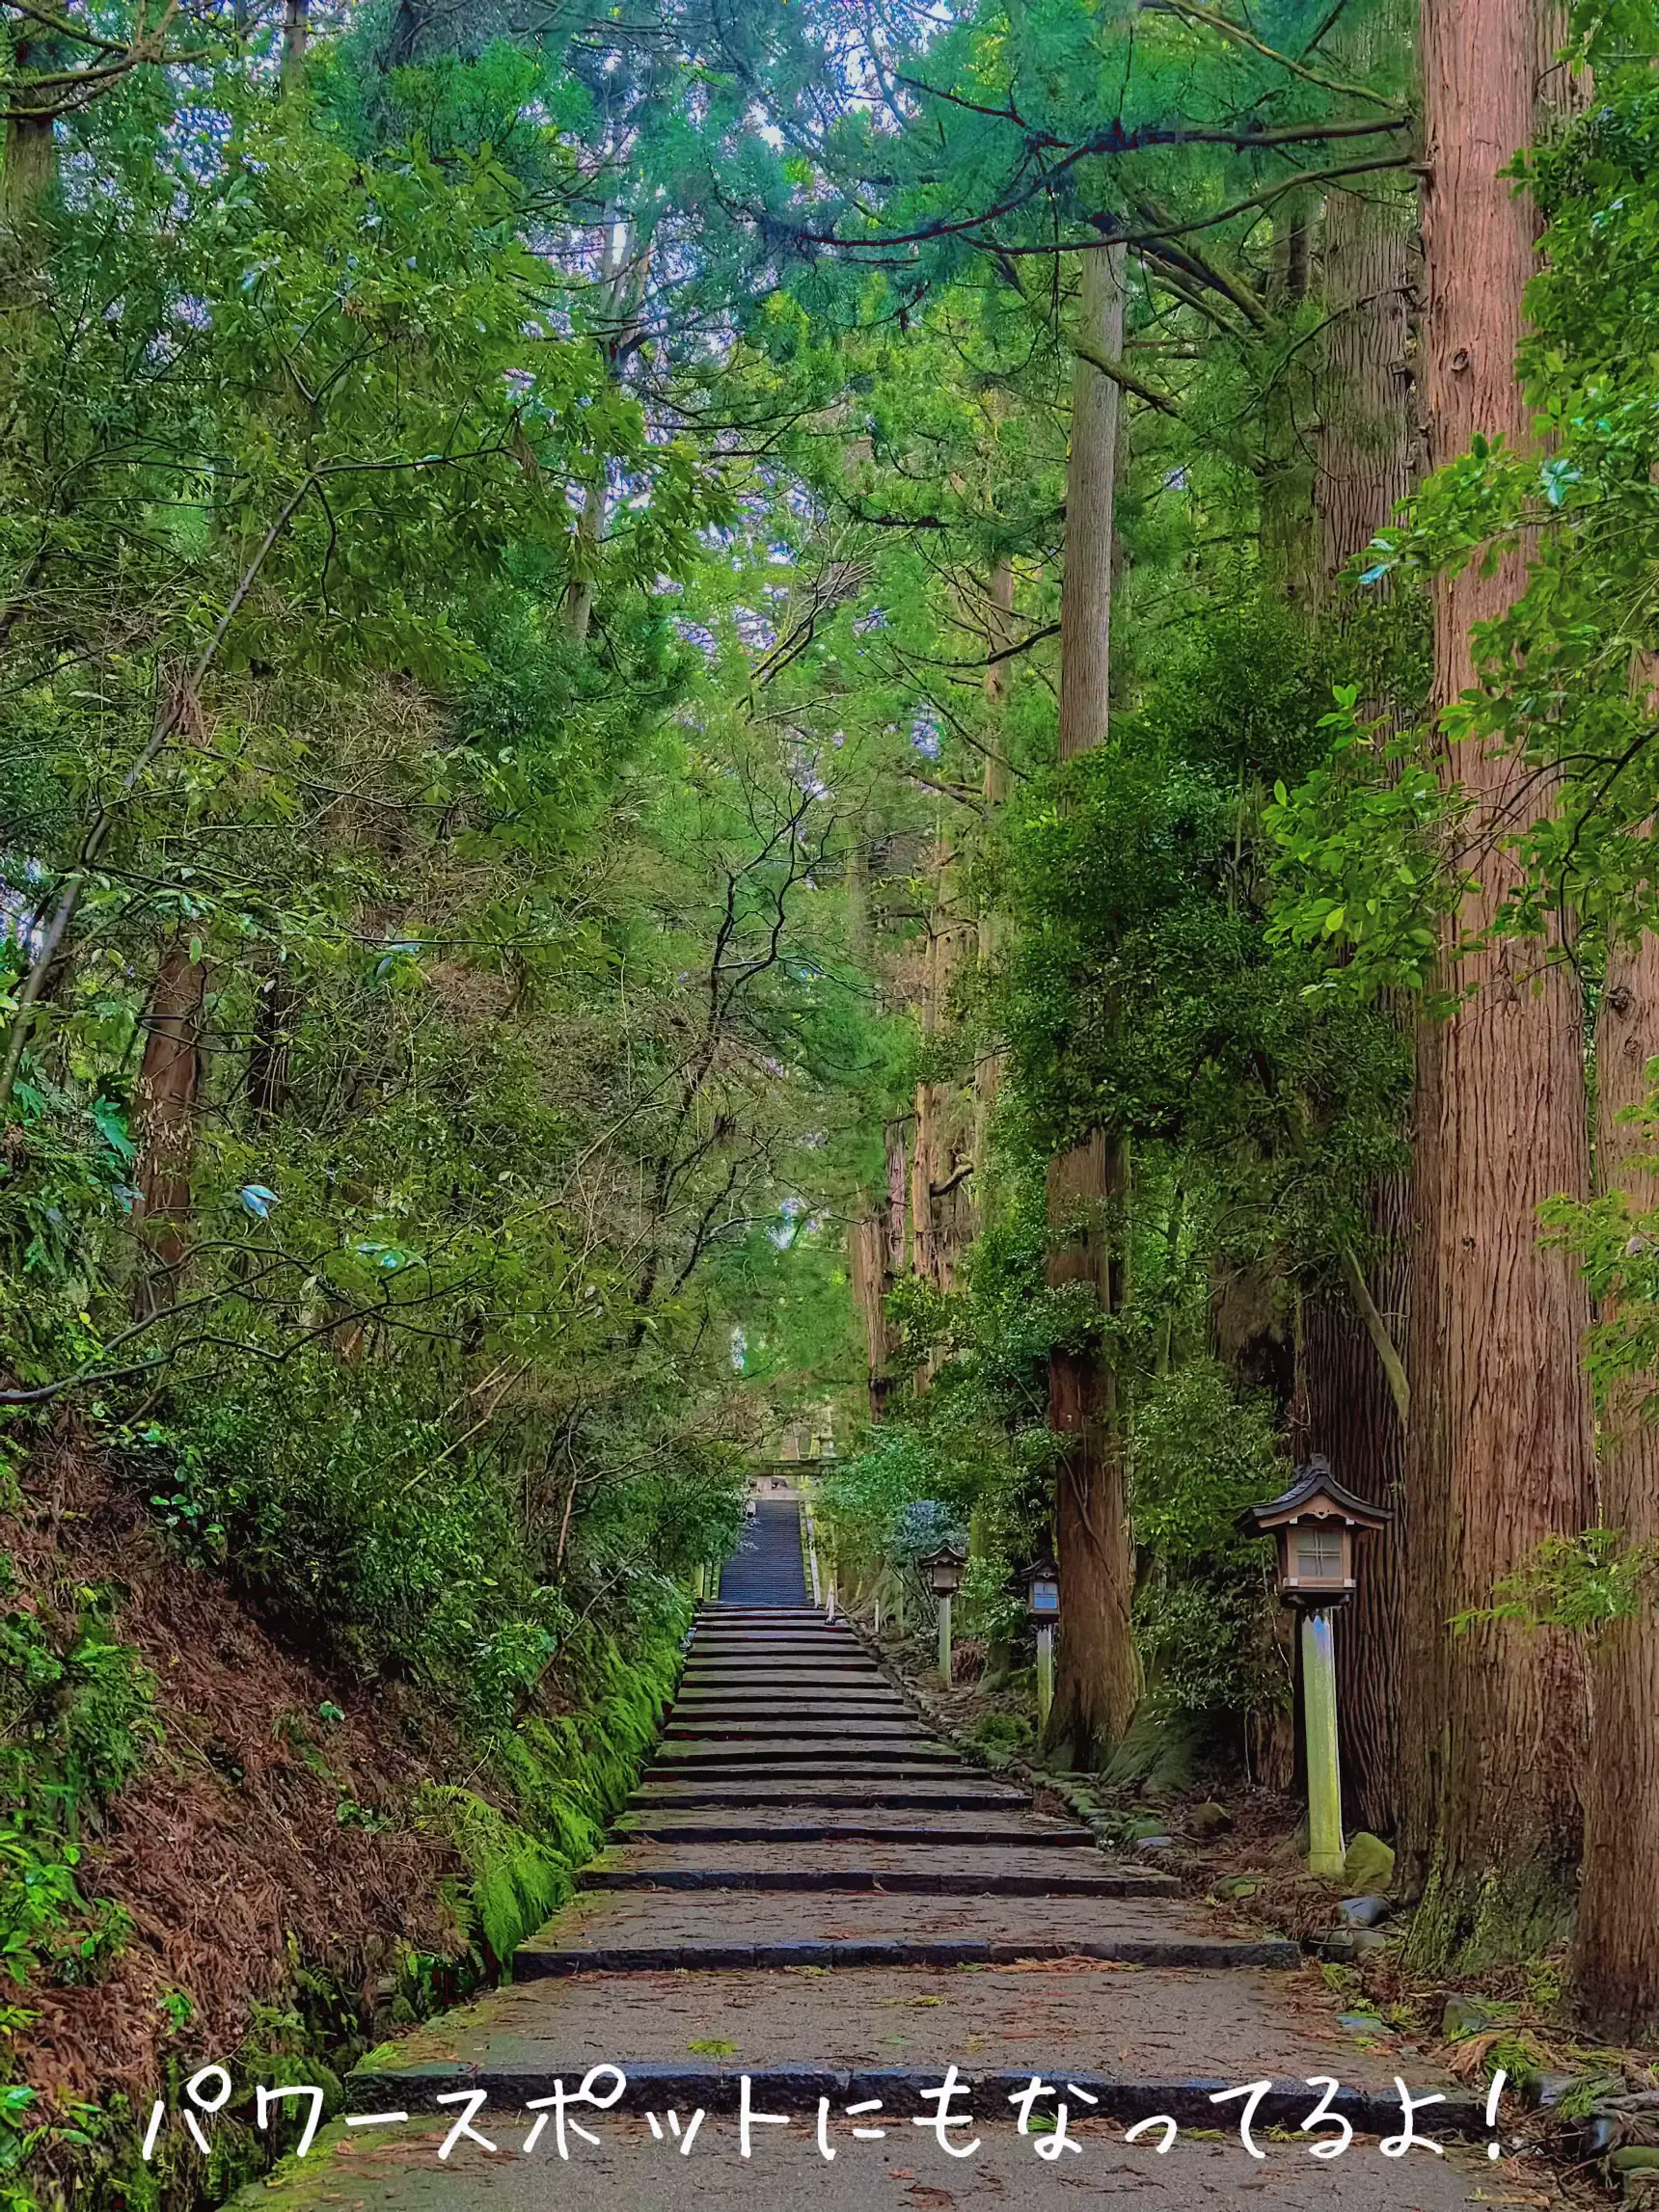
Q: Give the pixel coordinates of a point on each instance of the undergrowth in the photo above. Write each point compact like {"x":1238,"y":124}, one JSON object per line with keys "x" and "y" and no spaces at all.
{"x":78,"y":1720}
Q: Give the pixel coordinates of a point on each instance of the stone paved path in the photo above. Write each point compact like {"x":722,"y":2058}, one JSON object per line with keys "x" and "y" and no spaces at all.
{"x":767,"y":1568}
{"x":810,"y":1891}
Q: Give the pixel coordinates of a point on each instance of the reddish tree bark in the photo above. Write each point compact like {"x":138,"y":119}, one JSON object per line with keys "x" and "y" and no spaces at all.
{"x":1368,"y":457}
{"x":1096,"y":1674}
{"x":1499,"y":1454}
{"x":1349,"y":1414}
{"x":940,"y":1207}
{"x":999,"y":636}
{"x":1368,"y":450}
{"x":1618,"y":1951}
{"x":165,"y":1104}
{"x":1098,"y":1677}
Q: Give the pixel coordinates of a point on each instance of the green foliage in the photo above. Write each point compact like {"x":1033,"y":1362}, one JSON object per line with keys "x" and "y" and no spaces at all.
{"x":76,"y":1723}
{"x":1200,"y":1454}
{"x":514,"y":1882}
{"x":1578,"y":1583}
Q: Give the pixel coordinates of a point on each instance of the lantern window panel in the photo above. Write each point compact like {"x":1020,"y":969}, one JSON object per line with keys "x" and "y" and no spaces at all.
{"x":1319,"y":1552}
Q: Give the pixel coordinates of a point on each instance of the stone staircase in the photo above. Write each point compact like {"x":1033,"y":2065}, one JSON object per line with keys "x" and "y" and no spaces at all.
{"x":812,"y":1903}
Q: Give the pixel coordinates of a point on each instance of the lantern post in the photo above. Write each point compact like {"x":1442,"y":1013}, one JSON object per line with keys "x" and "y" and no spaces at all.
{"x":1043,"y":1606}
{"x":1313,"y":1525}
{"x":943,"y":1569}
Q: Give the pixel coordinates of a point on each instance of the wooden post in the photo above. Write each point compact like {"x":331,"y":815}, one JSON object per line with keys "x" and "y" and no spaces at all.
{"x":1324,"y":1775}
{"x":1044,"y":1676}
{"x":944,"y":1641}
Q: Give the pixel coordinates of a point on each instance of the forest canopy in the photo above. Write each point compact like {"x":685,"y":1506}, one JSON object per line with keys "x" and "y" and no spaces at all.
{"x":931,"y":721}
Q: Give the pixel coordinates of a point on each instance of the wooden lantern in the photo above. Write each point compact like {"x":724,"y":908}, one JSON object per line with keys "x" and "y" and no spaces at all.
{"x":943,"y":1569}
{"x":1314,"y":1524}
{"x":1042,"y":1580}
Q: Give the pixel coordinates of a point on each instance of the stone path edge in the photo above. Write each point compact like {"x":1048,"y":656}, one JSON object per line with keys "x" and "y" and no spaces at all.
{"x":942,"y":1726}
{"x":1032,"y":1777}
{"x":796,"y":2090}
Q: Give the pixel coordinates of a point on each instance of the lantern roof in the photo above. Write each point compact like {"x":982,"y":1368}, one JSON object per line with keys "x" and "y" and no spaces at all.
{"x":946,"y":1555}
{"x":1315,"y":1495}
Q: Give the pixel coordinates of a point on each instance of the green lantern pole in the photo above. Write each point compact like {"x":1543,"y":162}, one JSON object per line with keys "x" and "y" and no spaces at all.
{"x":1325,"y":1772}
{"x":1044,"y":1676}
{"x":944,"y":1640}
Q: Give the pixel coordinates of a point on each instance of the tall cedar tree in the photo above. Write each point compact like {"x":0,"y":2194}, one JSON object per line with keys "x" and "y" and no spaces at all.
{"x":1369,"y":454}
{"x":1098,"y":1679}
{"x":1499,"y":1455}
{"x":1617,"y":1954}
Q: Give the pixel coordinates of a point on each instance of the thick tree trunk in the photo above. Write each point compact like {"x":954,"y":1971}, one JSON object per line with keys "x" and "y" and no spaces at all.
{"x":866,"y":1267}
{"x":940,"y":1207}
{"x":878,"y":1253}
{"x":1368,"y":458}
{"x":999,"y":634}
{"x":1349,"y":1414}
{"x":28,"y":177}
{"x":1618,"y":1953}
{"x":165,"y":1105}
{"x":1499,"y":1454}
{"x":268,"y":1082}
{"x":1286,"y":485}
{"x":1369,"y":451}
{"x":296,"y":29}
{"x":1096,"y":1676}
{"x":1091,"y":481}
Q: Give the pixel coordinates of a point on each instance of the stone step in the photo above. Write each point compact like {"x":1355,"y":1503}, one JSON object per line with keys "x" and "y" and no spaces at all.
{"x":902,"y":1724}
{"x":776,"y":1629}
{"x":835,"y":1670}
{"x":791,"y":1827}
{"x":854,"y":1792}
{"x":781,"y":1682}
{"x":817,"y":1708}
{"x":748,"y":1682}
{"x":691,"y":1757}
{"x":943,"y":1867}
{"x":778,"y":1616}
{"x":761,"y":1645}
{"x":637,"y":2164}
{"x":1067,"y":2018}
{"x":637,"y":1931}
{"x":756,"y":1681}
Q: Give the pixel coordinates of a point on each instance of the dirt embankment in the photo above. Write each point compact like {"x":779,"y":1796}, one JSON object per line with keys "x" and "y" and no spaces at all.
{"x":270,"y":1825}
